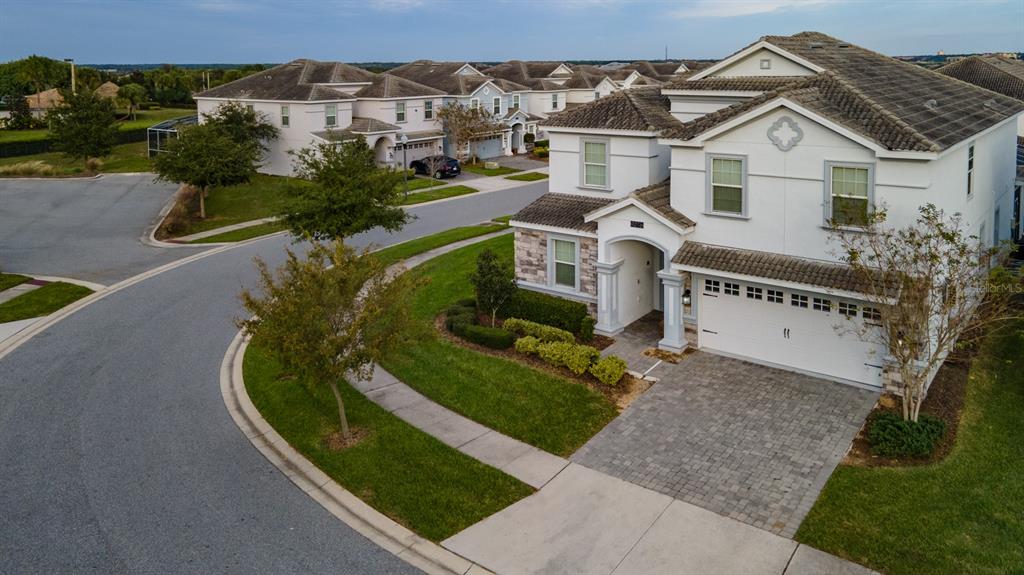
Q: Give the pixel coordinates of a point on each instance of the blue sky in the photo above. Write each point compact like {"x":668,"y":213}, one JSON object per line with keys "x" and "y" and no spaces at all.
{"x":201,"y":31}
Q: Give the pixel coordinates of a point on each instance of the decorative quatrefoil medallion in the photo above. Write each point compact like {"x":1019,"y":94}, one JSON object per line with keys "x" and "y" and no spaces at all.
{"x":785,"y":134}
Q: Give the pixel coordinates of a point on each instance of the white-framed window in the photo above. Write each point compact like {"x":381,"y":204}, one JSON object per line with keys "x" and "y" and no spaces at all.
{"x":496,"y":105}
{"x":286,"y":118}
{"x":850,"y":189}
{"x":847,"y":309}
{"x":474,"y":103}
{"x":766,"y":63}
{"x":797,"y":300}
{"x":775,"y":296}
{"x":515,"y":100}
{"x":400,"y":111}
{"x":554,"y":101}
{"x":712,"y":286}
{"x":822,"y":304}
{"x":532,"y":129}
{"x":732,"y":289}
{"x":755,"y":292}
{"x":727,"y":185}
{"x":871,"y":313}
{"x":970,"y":170}
{"x":330,"y":115}
{"x":428,"y":110}
{"x":595,"y":163}
{"x":597,"y":95}
{"x":563,"y":256}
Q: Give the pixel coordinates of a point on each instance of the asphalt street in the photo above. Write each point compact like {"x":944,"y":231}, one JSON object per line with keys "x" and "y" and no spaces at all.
{"x":119,"y":455}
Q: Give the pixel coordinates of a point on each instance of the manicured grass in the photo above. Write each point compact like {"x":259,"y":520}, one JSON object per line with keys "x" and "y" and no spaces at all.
{"x":480,"y":169}
{"x":537,"y":408}
{"x":39,"y":302}
{"x":421,"y":183}
{"x":503,"y":219}
{"x":528,"y":177}
{"x":962,"y":515}
{"x":406,"y":474}
{"x":8,"y":281}
{"x":440,"y":193}
{"x":243,"y":234}
{"x":144,"y":119}
{"x":262,"y":197}
{"x":123,"y":158}
{"x":411,"y":248}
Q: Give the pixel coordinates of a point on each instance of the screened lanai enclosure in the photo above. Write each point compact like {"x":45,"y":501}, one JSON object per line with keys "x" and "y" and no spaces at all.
{"x":158,"y":135}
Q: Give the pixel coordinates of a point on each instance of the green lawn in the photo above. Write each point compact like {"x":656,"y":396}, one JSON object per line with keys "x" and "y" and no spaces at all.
{"x":124,"y":158}
{"x":503,"y":219}
{"x":144,"y":119}
{"x":402,"y":472}
{"x":528,"y":177}
{"x":243,"y":234}
{"x":420,"y":183}
{"x":43,"y":301}
{"x":440,"y":193}
{"x":480,"y":169}
{"x":411,"y":248}
{"x":8,"y":281}
{"x":964,"y":515}
{"x":263,"y":197}
{"x":540,"y":409}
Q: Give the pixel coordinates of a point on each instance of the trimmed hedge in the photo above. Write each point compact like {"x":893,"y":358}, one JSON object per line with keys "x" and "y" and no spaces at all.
{"x":541,"y":152}
{"x":892,"y":436}
{"x":528,"y":345}
{"x":544,"y":333}
{"x":608,"y":370}
{"x":492,"y":337}
{"x":542,"y":143}
{"x":577,"y":358}
{"x":587,"y":328}
{"x":546,"y":309}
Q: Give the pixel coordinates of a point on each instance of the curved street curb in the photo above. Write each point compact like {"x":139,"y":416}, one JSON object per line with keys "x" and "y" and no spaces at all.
{"x":365,"y":520}
{"x":51,"y":178}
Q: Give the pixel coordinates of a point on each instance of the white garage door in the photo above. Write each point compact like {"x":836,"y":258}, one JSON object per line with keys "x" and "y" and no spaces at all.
{"x":786,"y":328}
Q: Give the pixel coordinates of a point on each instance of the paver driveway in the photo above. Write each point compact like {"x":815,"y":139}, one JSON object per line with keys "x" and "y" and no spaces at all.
{"x":750,"y":442}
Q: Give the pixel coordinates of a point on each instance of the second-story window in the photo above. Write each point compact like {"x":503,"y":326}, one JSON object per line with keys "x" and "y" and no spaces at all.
{"x":970,"y":170}
{"x":515,"y":100}
{"x":428,"y":110}
{"x":286,"y":118}
{"x":400,"y":112}
{"x":331,"y":115}
{"x":474,"y":103}
{"x":597,"y":95}
{"x":595,"y":164}
{"x":554,"y":101}
{"x":849,"y":194}
{"x":727,"y":185}
{"x":496,"y":105}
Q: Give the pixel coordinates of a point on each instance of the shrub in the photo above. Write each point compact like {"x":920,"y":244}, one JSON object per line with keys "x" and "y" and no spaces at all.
{"x":554,"y":352}
{"x":579,"y":358}
{"x":492,"y":337}
{"x":466,"y":302}
{"x":546,"y":309}
{"x":608,"y":370}
{"x":544,"y":333}
{"x":587,"y":328}
{"x":527,"y":344}
{"x":32,"y":168}
{"x":529,"y":138}
{"x":542,"y":143}
{"x":457,"y":323}
{"x":459,"y":309}
{"x":892,"y":436}
{"x":541,"y":152}
{"x":93,"y":165}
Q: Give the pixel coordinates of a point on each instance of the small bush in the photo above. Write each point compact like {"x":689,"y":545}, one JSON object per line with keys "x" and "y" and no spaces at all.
{"x":587,"y":328}
{"x":457,"y":322}
{"x":544,"y":333}
{"x":541,"y":152}
{"x":554,"y":352}
{"x":93,"y":165}
{"x":579,"y":358}
{"x":178,"y":216}
{"x":546,"y":309}
{"x":892,"y":436}
{"x":542,"y":143}
{"x":608,"y":370}
{"x":527,"y":345}
{"x":529,"y":138}
{"x":459,"y":309}
{"x":32,"y":168}
{"x":492,"y":337}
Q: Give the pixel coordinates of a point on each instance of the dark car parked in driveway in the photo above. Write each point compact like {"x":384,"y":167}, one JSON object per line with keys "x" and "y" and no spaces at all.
{"x":437,"y":166}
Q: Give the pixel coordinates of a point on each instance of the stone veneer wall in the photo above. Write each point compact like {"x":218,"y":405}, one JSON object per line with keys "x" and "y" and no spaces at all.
{"x":531,"y":252}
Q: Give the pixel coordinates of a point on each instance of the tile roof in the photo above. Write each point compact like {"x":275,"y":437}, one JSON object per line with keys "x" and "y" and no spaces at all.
{"x":771,"y":266}
{"x":734,"y":83}
{"x":391,"y":86}
{"x":441,"y":76}
{"x":585,"y":79}
{"x":637,"y":109}
{"x":561,"y":211}
{"x":995,"y":73}
{"x":370,"y":125}
{"x":521,"y":71}
{"x":657,"y":197}
{"x":45,"y":100}
{"x":298,"y":80}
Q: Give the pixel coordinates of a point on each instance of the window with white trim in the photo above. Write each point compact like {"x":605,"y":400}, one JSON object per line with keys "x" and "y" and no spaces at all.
{"x":871,"y":313}
{"x":822,"y":304}
{"x":595,"y":163}
{"x":474,"y":103}
{"x":554,"y":101}
{"x":400,"y":111}
{"x":496,"y":105}
{"x":564,"y":256}
{"x":515,"y":100}
{"x":850,"y":190}
{"x":847,"y":309}
{"x":286,"y":118}
{"x":712,"y":286}
{"x":970,"y":170}
{"x":726,"y":183}
{"x":797,"y":300}
{"x":330,"y":115}
{"x":732,"y":289}
{"x":531,"y":129}
{"x":597,"y":95}
{"x":755,"y":292}
{"x":428,"y":110}
{"x":775,"y":296}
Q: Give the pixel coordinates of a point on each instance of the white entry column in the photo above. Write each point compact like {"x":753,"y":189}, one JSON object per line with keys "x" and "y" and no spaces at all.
{"x":608,"y":298}
{"x":674,"y":339}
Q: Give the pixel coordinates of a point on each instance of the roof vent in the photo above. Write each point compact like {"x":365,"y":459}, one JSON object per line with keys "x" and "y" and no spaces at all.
{"x":816,"y":45}
{"x":843,"y":45}
{"x":931,"y":104}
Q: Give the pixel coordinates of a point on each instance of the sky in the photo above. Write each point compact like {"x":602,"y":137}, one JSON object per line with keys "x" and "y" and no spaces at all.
{"x":265,"y":31}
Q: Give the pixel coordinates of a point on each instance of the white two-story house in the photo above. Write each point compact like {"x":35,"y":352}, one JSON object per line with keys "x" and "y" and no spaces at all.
{"x":708,"y":200}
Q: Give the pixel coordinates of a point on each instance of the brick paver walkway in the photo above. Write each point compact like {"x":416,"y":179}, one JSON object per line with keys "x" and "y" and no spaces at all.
{"x":749,"y":442}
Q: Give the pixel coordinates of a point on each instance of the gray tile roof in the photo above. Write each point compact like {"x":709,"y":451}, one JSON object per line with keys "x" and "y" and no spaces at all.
{"x":522,"y":72}
{"x":442,"y":76}
{"x":734,"y":83}
{"x":391,"y":86}
{"x":636,"y":109}
{"x":295,"y":81}
{"x":771,"y":266}
{"x":657,"y":197}
{"x":562,"y":211}
{"x":359,"y":126}
{"x":995,"y":73}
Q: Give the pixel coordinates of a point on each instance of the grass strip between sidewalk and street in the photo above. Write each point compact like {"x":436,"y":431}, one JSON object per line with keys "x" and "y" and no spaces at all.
{"x":7,"y":281}
{"x":405,"y":250}
{"x":243,"y":233}
{"x":480,"y":169}
{"x":528,"y":177}
{"x":42,"y":301}
{"x":440,"y":193}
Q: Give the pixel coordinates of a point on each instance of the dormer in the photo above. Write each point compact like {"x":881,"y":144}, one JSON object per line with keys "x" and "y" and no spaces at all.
{"x":760,"y":59}
{"x":468,"y":70}
{"x":561,"y":71}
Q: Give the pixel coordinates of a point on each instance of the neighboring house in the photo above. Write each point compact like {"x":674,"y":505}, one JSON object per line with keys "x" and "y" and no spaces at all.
{"x":707,"y":200}
{"x":400,"y":107}
{"x":107,"y":90}
{"x":40,"y":103}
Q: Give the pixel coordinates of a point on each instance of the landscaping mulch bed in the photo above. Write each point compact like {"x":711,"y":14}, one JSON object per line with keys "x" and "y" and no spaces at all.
{"x":628,"y":389}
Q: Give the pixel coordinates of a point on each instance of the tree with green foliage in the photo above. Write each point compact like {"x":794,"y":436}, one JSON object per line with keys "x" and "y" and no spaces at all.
{"x":83,"y":126}
{"x":40,"y":73}
{"x":465,"y":126}
{"x":243,"y":125}
{"x":329,"y":316}
{"x":20,"y":115}
{"x":203,"y":156}
{"x":132,"y":95}
{"x":494,"y":282}
{"x":349,"y":193}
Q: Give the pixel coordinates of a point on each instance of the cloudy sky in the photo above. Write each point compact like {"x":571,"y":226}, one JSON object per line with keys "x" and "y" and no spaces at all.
{"x":203,"y":31}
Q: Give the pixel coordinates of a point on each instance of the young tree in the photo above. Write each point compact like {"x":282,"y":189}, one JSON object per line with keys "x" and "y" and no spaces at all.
{"x":204,"y":156}
{"x":132,"y":95}
{"x":83,"y":126}
{"x":329,"y":316}
{"x":243,"y":125}
{"x":494,"y":281}
{"x":465,"y":126}
{"x":346,"y":194}
{"x":932,"y":286}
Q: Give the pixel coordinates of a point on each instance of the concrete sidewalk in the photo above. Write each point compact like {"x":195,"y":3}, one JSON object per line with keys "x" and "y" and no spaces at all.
{"x":585,"y":522}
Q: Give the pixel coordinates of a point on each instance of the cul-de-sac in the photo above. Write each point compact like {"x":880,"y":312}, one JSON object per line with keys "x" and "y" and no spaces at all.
{"x":438,"y":286}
